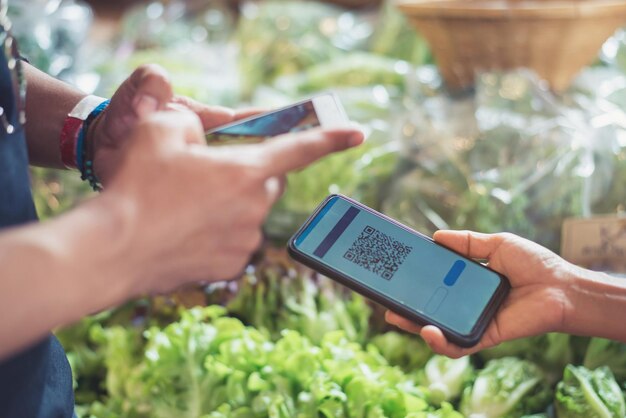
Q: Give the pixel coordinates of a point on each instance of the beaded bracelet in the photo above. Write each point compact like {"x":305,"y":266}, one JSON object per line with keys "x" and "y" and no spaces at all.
{"x":84,"y":160}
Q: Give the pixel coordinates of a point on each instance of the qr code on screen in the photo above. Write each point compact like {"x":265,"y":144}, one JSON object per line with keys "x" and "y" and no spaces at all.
{"x":378,"y":253}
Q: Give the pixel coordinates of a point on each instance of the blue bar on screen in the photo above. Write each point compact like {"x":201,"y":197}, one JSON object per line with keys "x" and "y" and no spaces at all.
{"x":454,"y":273}
{"x":336,"y":232}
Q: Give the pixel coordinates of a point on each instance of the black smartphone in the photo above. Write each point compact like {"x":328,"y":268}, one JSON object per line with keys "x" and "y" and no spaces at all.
{"x":322,"y":110}
{"x":400,"y":268}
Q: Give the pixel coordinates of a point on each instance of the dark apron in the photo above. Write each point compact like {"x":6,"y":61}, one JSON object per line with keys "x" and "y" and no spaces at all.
{"x":36,"y":383}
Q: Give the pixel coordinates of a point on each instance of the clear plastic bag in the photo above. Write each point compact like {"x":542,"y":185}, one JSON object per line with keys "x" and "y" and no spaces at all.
{"x":509,"y":157}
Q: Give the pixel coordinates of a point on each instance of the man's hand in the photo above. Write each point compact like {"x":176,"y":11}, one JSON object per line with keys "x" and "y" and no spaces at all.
{"x":174,"y":211}
{"x":193,"y":212}
{"x":147,"y":90}
{"x":541,"y":290}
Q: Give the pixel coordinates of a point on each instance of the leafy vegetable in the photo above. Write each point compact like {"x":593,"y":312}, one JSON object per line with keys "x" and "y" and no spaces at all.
{"x":354,"y":69}
{"x":603,"y":352}
{"x":506,"y":388}
{"x":273,"y":300}
{"x":446,"y":377}
{"x":589,"y":394}
{"x":403,"y":350}
{"x":552,"y":352}
{"x":208,"y":364}
{"x":278,"y":38}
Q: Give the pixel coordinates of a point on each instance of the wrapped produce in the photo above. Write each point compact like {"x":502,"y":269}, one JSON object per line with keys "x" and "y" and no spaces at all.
{"x":512,"y":158}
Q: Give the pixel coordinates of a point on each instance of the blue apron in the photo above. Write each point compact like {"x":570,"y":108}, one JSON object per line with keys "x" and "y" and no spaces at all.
{"x":37,"y":382}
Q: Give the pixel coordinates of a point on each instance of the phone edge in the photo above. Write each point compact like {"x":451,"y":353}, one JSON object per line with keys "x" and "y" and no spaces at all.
{"x":279,"y":109}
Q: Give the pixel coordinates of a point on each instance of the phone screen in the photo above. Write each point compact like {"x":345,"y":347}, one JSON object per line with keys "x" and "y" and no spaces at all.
{"x":401,"y":265}
{"x":299,"y":117}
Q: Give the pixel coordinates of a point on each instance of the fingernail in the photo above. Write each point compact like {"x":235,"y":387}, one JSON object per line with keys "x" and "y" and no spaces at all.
{"x":145,"y":104}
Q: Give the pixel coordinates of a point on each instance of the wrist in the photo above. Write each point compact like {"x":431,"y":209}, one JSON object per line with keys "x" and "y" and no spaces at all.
{"x":598,"y":305}
{"x":72,"y":135}
{"x":102,"y":246}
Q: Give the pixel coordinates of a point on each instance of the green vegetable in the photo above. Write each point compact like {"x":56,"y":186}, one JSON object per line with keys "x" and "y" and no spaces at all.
{"x":350,"y":70}
{"x":603,"y":352}
{"x":446,"y":377}
{"x":552,"y":352}
{"x":395,"y":37}
{"x":272,"y":301}
{"x":208,"y":364}
{"x":406,"y":351}
{"x":506,"y":388}
{"x":589,"y":394}
{"x":446,"y":411}
{"x":283,"y":37}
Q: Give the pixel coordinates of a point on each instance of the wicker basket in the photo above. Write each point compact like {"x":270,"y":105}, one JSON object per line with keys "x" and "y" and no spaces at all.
{"x":555,"y":38}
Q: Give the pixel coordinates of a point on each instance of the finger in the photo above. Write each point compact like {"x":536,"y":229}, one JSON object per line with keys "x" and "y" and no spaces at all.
{"x":148,"y":89}
{"x":402,"y":323}
{"x":210,"y":116}
{"x":294,"y":151}
{"x":470,"y":244}
{"x":435,"y":339}
{"x":249,"y":112}
{"x":430,"y":334}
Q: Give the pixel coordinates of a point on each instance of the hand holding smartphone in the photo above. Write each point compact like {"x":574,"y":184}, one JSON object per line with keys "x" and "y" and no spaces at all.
{"x":323,"y":110}
{"x":401,"y":269}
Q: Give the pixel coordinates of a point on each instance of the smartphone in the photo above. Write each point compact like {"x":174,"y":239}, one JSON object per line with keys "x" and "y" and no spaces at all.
{"x":401,"y":269}
{"x":322,"y":110}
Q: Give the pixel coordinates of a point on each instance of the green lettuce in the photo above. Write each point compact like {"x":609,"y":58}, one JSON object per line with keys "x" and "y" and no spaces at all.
{"x":446,"y":377}
{"x":404,"y":350}
{"x":585,"y":393}
{"x":506,"y":388}
{"x":603,"y":352}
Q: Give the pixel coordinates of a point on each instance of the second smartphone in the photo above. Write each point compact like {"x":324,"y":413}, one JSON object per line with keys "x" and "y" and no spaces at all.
{"x":400,"y":268}
{"x":323,"y":110}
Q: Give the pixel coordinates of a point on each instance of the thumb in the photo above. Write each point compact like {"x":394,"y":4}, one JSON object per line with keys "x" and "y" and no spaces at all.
{"x":470,"y":244}
{"x":147,"y":90}
{"x":294,"y":151}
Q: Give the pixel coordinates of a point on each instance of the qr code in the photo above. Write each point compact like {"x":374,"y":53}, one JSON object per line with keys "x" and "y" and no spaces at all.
{"x":378,"y":253}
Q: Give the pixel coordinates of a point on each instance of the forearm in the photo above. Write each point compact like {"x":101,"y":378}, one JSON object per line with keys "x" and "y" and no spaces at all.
{"x":598,"y":306}
{"x":48,"y":102}
{"x":56,"y":272}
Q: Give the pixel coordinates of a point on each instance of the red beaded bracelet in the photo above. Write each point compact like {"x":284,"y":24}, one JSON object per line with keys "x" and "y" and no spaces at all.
{"x":72,"y":127}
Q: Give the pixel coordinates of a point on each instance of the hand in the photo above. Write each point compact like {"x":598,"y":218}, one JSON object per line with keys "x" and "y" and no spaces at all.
{"x":147,"y":90}
{"x":539,"y":300}
{"x":192,"y":212}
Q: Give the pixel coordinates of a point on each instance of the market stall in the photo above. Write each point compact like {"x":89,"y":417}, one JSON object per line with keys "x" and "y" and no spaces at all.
{"x":458,"y":138}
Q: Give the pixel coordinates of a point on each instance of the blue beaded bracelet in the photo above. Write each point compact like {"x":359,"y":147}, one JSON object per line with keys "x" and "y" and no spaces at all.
{"x":83,"y":161}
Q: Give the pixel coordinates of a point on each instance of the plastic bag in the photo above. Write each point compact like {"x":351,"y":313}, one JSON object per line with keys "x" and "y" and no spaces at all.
{"x":511,"y":157}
